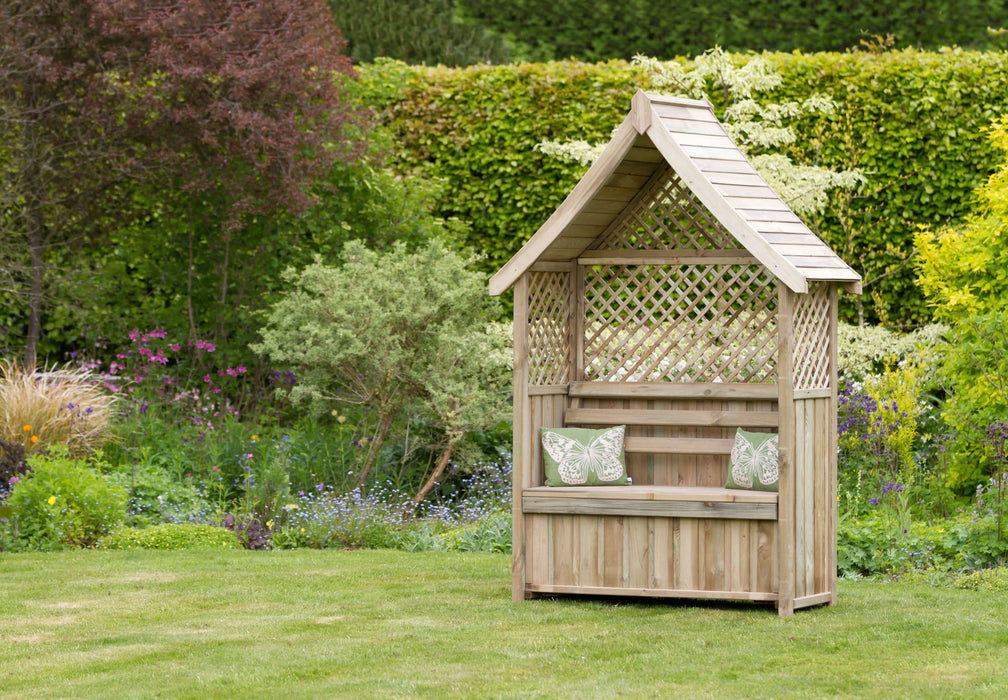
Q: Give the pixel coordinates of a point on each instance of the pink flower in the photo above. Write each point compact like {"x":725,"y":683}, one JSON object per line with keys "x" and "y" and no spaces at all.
{"x":134,"y":335}
{"x":206,"y":378}
{"x":175,"y":347}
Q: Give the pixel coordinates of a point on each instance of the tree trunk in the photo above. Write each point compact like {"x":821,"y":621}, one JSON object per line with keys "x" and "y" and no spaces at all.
{"x":384,"y":425}
{"x":36,"y":234}
{"x":431,"y":482}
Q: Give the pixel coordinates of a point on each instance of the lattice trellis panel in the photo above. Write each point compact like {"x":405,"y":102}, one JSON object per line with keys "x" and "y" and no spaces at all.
{"x":684,"y":323}
{"x":549,"y":331}
{"x":667,"y":216}
{"x":812,"y":337}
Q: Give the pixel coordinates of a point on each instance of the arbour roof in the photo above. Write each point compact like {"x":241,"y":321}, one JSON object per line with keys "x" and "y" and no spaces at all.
{"x":686,"y":136}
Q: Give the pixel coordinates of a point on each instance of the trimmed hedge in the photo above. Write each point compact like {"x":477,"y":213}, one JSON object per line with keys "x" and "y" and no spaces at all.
{"x":913,"y":121}
{"x":595,"y":31}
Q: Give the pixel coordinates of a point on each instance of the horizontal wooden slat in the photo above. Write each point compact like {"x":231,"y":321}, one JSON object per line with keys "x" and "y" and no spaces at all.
{"x":764,"y":215}
{"x":754,"y":596}
{"x":691,"y":138}
{"x":813,"y":249}
{"x":813,"y":393}
{"x":666,"y":257}
{"x":741,"y":179}
{"x":678,"y":111}
{"x":656,"y":501}
{"x":815,"y":599}
{"x":768,"y":204}
{"x":691,"y":126}
{"x":546,"y":389}
{"x":644,"y":416}
{"x":768,"y":228}
{"x":759,"y":191}
{"x":705,"y":152}
{"x":710,"y":165}
{"x":673,"y":390}
{"x":680,"y":446}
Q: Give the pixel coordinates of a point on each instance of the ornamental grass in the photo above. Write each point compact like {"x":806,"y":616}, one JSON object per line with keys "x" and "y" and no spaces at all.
{"x":54,"y":406}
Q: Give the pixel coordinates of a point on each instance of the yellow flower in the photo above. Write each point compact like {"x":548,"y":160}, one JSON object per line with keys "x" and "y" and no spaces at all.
{"x":341,"y":419}
{"x":302,"y":530}
{"x":34,"y":439}
{"x":269,"y":524}
{"x":51,"y":501}
{"x":255,"y":438}
{"x":291,"y":506}
{"x":27,"y":428}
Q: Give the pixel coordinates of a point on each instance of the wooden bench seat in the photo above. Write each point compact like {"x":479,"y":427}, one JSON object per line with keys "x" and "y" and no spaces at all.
{"x":647,"y":500}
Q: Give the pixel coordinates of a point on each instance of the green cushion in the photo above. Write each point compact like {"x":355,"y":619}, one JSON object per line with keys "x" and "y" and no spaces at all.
{"x":584,"y":457}
{"x":753,"y":463}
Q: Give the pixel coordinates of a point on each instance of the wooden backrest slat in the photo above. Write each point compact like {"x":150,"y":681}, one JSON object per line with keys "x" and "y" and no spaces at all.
{"x":678,"y":446}
{"x":686,"y":418}
{"x":671,"y":390}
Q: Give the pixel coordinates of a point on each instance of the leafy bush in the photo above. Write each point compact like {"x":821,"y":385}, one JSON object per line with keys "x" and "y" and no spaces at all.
{"x":171,"y":536}
{"x":864,"y":350}
{"x":64,"y":502}
{"x":976,"y":374}
{"x":995,"y":579}
{"x":880,"y":544}
{"x":402,"y":334}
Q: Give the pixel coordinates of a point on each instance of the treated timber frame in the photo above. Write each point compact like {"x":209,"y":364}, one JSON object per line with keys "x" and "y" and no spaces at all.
{"x":674,"y":292}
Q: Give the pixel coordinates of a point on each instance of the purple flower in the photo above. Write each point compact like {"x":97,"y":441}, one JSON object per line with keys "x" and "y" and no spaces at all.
{"x":874,"y":501}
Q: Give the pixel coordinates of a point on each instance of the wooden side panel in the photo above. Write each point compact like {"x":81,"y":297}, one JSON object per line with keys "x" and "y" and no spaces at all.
{"x":815,"y":501}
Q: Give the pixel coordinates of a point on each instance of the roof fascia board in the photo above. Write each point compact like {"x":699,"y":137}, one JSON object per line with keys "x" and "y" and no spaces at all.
{"x":586,"y":189}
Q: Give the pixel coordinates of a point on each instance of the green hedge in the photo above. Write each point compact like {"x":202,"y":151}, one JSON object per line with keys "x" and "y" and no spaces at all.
{"x":913,"y":121}
{"x":594,"y":31}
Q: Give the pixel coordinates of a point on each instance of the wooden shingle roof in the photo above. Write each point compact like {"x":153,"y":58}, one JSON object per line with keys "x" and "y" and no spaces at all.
{"x":686,"y":136}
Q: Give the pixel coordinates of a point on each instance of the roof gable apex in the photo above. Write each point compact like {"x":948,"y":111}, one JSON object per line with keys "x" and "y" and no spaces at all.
{"x":687,"y":136}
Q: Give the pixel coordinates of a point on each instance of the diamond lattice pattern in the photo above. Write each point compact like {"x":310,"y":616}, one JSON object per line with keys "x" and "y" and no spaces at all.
{"x":666,"y":216}
{"x":711,"y":323}
{"x":549,"y":329}
{"x":811,"y":332}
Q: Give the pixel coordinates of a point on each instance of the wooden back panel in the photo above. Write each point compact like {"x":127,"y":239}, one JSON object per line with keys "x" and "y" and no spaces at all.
{"x":677,"y":434}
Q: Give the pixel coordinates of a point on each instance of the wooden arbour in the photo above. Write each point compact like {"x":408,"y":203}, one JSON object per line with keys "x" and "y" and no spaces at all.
{"x":674,"y":292}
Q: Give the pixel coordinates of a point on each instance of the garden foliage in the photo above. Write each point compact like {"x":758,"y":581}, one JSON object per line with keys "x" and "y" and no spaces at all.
{"x":63,"y":501}
{"x":171,"y":536}
{"x":404,"y":335}
{"x":595,"y":31}
{"x":913,"y":122}
{"x":963,"y":270}
{"x":428,"y":32}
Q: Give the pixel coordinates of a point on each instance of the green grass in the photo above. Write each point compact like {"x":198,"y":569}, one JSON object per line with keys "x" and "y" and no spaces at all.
{"x":378,"y":624}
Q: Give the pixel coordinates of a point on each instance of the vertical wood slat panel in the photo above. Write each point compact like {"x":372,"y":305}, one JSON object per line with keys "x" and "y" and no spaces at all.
{"x":612,"y":574}
{"x":688,"y":564}
{"x":636,"y":554}
{"x":714,"y":554}
{"x":562,"y":550}
{"x":588,"y":563}
{"x":663,"y":557}
{"x":800,"y":470}
{"x":823,"y":494}
{"x":808,"y":502}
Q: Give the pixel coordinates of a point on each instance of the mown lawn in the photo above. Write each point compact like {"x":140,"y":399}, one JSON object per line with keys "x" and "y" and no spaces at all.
{"x":366,"y":624}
